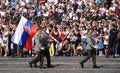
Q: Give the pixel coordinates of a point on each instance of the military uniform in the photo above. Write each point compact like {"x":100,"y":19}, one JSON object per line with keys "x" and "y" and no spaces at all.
{"x":38,"y":52}
{"x":44,"y":43}
{"x":91,"y":51}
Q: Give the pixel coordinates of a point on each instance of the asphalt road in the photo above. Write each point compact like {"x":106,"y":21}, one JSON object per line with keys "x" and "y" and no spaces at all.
{"x":62,"y":65}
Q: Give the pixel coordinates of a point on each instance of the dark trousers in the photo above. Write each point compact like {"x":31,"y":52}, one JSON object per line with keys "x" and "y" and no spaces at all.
{"x":91,"y":53}
{"x":20,"y":50}
{"x":38,"y":58}
{"x":46,"y":53}
{"x":9,"y":46}
{"x":14,"y":50}
{"x":119,"y":49}
{"x":112,"y":48}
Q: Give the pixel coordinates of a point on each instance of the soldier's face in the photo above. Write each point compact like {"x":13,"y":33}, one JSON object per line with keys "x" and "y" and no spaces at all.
{"x":39,"y":31}
{"x":44,"y":30}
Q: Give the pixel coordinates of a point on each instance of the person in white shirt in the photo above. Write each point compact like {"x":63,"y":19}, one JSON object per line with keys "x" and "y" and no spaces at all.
{"x":5,"y":41}
{"x":53,"y":1}
{"x":106,"y":39}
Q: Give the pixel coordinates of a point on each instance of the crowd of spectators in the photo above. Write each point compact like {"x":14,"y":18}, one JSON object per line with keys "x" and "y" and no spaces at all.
{"x":66,"y":20}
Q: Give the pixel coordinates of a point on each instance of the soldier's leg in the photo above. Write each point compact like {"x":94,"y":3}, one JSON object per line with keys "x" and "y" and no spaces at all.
{"x":47,"y":55}
{"x":35,"y":60}
{"x":41,"y":60}
{"x":88,"y":56}
{"x":86,"y":59}
{"x":94,"y":57}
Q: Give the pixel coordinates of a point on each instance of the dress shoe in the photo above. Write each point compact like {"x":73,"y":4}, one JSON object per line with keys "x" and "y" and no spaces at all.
{"x":95,"y":66}
{"x":82,"y":65}
{"x":30,"y":64}
{"x":35,"y":65}
{"x":50,"y":66}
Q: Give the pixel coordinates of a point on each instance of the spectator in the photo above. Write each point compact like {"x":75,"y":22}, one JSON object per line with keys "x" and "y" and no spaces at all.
{"x":112,"y":40}
{"x":63,"y":15}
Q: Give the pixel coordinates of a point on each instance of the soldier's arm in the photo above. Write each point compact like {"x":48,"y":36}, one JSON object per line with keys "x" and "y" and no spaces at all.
{"x":36,"y":39}
{"x":50,"y":36}
{"x":90,"y":42}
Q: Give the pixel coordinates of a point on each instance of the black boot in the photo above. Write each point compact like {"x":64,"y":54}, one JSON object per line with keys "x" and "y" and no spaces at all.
{"x":95,"y":66}
{"x":41,"y":63}
{"x":35,"y":65}
{"x":30,"y":64}
{"x":82,"y":64}
{"x":50,"y":66}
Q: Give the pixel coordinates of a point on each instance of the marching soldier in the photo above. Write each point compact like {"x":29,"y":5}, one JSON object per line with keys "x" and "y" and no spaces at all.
{"x":38,"y":45}
{"x":42,"y":46}
{"x":91,"y":50}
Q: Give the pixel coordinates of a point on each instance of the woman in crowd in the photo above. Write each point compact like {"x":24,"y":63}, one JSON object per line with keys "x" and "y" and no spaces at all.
{"x":5,"y":41}
{"x":100,"y":45}
{"x":63,"y":13}
{"x":105,"y":38}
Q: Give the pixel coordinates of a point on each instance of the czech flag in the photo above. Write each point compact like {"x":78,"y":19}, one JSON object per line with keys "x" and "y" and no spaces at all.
{"x":24,"y":33}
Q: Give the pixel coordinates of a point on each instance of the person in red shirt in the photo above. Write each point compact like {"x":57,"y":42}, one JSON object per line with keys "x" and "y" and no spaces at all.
{"x":55,"y":34}
{"x":42,"y":1}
